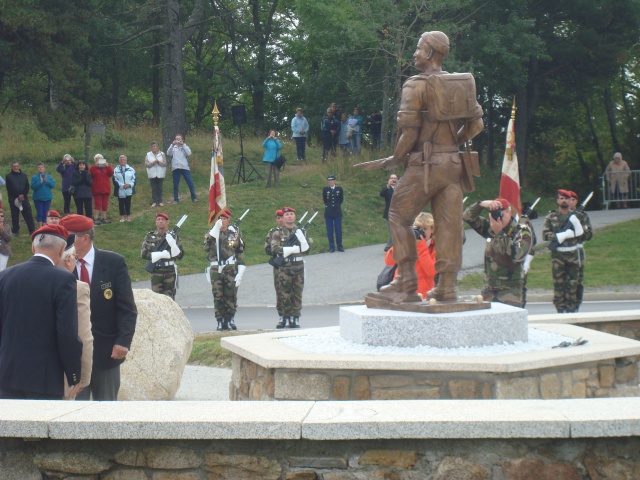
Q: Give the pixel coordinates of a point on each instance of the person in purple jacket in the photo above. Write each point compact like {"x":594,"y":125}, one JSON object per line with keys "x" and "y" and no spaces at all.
{"x":66,"y":168}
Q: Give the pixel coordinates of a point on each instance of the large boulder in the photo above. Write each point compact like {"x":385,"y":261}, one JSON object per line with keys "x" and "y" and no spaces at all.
{"x":160,"y":350}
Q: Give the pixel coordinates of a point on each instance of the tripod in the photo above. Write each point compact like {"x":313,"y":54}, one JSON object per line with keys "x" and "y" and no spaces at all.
{"x":240,"y":169}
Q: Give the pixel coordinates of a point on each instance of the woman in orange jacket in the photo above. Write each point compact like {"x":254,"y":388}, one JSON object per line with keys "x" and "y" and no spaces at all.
{"x":423,"y":227}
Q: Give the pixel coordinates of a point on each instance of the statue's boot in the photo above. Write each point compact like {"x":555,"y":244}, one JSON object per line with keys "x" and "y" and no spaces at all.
{"x":403,"y":288}
{"x":445,"y":291}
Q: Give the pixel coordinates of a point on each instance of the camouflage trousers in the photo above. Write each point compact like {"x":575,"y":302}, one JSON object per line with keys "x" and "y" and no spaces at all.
{"x":510,"y":294}
{"x":164,"y":283}
{"x":567,"y":279}
{"x":225,"y":292}
{"x":290,"y":280}
{"x":276,"y":285}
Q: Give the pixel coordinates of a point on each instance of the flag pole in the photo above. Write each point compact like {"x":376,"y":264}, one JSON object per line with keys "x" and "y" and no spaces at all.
{"x":217,"y":191}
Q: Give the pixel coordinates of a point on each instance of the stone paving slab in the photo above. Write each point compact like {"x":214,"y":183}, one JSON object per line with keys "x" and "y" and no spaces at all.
{"x":588,"y":317}
{"x":599,"y":417}
{"x":31,"y":418}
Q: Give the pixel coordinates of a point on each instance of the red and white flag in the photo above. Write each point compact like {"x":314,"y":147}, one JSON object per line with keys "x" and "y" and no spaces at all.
{"x":510,"y":177}
{"x":217,"y":191}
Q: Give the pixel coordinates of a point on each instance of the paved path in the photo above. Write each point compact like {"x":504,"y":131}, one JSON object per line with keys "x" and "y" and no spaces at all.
{"x":336,"y":278}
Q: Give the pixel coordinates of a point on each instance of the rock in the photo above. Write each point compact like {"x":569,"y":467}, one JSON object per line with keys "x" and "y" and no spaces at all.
{"x":160,"y":349}
{"x":452,"y":468}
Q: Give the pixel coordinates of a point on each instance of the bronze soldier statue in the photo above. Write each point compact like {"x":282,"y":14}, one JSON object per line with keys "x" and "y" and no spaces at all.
{"x":438,"y":113}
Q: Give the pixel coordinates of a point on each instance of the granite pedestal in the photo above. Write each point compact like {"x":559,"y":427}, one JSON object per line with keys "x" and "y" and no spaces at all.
{"x":495,"y":326}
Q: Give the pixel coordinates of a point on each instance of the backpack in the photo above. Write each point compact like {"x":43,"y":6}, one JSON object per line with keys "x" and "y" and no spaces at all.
{"x":451,"y":96}
{"x":386,"y":276}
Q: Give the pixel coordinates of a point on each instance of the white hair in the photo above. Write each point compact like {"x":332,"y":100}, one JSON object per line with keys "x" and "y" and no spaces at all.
{"x":97,"y":157}
{"x":43,"y":241}
{"x":67,"y":253}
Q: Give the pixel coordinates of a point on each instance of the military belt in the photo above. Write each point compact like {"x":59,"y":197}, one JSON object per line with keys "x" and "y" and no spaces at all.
{"x":165,"y":263}
{"x":569,"y":249}
{"x":445,"y":149}
{"x":228,"y":261}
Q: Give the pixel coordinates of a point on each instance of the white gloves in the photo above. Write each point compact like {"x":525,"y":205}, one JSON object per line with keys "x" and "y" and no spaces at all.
{"x":155,"y":256}
{"x":286,"y":251}
{"x":171,"y":241}
{"x":238,"y":279}
{"x":577,"y":226}
{"x":527,"y":263}
{"x":304,"y":245}
{"x":215,"y":231}
{"x":562,"y":236}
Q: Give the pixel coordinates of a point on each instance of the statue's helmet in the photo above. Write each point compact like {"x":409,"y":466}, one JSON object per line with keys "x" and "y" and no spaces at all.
{"x":438,"y":41}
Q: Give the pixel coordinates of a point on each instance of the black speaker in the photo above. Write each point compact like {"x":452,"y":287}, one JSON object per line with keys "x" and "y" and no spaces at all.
{"x":239,"y":114}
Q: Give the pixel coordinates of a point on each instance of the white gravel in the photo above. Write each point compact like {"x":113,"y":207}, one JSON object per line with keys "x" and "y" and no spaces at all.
{"x":331,"y":343}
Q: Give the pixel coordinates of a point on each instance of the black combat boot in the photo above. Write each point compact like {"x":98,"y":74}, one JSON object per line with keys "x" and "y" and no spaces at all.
{"x":220,"y":327}
{"x":283,"y":322}
{"x":295,"y":323}
{"x":225,"y":324}
{"x":232,"y":324}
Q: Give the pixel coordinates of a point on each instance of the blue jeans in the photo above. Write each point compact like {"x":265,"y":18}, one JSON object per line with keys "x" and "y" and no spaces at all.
{"x":176,"y":181}
{"x":42,"y":207}
{"x":356,"y":138}
{"x":300,"y":146}
{"x":334,"y":224}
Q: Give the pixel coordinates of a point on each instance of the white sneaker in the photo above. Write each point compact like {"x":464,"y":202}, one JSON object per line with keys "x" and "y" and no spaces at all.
{"x":153,"y":205}
{"x":161,"y":204}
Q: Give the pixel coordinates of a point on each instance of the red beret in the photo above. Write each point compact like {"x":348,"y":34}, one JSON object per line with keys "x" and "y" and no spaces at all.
{"x":573,"y":194}
{"x":287,"y":209}
{"x":53,"y":213}
{"x":77,"y":223}
{"x":163,"y":215}
{"x":503,"y":202}
{"x":55,"y":230}
{"x":279,"y":213}
{"x":226,"y":213}
{"x":564,"y":193}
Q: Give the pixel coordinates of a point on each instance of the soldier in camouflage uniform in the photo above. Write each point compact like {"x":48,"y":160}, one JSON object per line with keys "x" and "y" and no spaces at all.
{"x":287,"y":254}
{"x":508,"y":243}
{"x":267,"y":250}
{"x":585,"y":237}
{"x":225,"y":252}
{"x":163,"y":255}
{"x":564,"y":231}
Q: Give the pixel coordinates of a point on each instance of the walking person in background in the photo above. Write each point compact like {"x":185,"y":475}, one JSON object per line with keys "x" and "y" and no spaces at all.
{"x":355,"y":129}
{"x":387,"y":194}
{"x":156,"y":164}
{"x":618,"y":173}
{"x":272,"y":148}
{"x":179,"y":151}
{"x":5,"y":240}
{"x":18,"y":190}
{"x":333,"y":197}
{"x":81,"y":182}
{"x":125,"y":177}
{"x":300,"y":130}
{"x":42,"y":183}
{"x":101,"y":174}
{"x":66,"y":168}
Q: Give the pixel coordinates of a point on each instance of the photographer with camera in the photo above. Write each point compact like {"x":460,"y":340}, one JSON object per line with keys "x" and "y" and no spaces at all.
{"x":508,"y":243}
{"x":423,"y":229}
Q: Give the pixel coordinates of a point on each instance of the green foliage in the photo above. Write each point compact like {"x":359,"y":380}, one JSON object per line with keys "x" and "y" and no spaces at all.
{"x":111,"y":140}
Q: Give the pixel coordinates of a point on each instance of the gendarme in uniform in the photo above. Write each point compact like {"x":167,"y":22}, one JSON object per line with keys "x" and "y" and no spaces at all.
{"x":225,"y":252}
{"x":163,"y":278}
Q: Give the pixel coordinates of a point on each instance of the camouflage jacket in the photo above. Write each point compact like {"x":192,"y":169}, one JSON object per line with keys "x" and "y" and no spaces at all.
{"x":152,"y":241}
{"x":267,"y":241}
{"x":505,"y":251}
{"x":279,"y":239}
{"x":555,"y":223}
{"x":231,"y":247}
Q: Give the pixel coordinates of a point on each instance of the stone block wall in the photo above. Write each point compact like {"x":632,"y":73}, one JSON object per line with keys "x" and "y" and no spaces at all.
{"x":606,"y":378}
{"x":481,"y":459}
{"x":622,"y":328}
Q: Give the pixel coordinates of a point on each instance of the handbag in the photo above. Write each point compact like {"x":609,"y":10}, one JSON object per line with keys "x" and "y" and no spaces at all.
{"x":280,"y":161}
{"x":72,"y":190}
{"x":386,"y":276}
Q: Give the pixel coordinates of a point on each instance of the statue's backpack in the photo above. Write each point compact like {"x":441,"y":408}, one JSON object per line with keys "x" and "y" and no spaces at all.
{"x":451,"y":96}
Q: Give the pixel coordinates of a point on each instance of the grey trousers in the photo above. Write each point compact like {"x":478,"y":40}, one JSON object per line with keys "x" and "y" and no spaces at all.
{"x":104,"y":385}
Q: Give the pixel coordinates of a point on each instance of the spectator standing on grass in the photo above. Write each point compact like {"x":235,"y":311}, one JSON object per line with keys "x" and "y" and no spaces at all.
{"x":81,"y":182}
{"x":179,"y":151}
{"x":300,"y":130}
{"x":343,"y":139}
{"x":42,"y":184}
{"x":66,"y":168}
{"x":156,"y":164}
{"x":125,"y":177}
{"x":18,"y":191}
{"x":101,"y":174}
{"x":355,"y":129}
{"x":5,"y":240}
{"x":375,"y":129}
{"x":272,"y":148}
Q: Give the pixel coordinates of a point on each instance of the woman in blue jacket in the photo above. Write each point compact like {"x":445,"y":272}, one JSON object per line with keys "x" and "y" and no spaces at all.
{"x":355,"y":128}
{"x":42,"y":183}
{"x":272,"y":147}
{"x":125,"y":177}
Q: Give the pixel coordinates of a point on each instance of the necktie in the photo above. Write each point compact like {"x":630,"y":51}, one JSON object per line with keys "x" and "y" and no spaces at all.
{"x":84,"y":273}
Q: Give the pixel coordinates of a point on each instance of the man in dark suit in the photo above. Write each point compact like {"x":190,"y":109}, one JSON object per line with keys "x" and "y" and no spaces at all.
{"x":39,"y":341}
{"x":113,"y":310}
{"x":333,"y":196}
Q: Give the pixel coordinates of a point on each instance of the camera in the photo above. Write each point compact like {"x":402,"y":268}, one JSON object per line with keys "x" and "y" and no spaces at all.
{"x":496,"y":214}
{"x":418,"y":232}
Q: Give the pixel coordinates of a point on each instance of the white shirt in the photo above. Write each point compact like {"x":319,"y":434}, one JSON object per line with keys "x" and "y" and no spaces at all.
{"x":43,"y":255}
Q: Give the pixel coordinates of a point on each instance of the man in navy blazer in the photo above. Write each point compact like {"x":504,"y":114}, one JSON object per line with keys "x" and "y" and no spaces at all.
{"x":39,"y":341}
{"x":113,"y":309}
